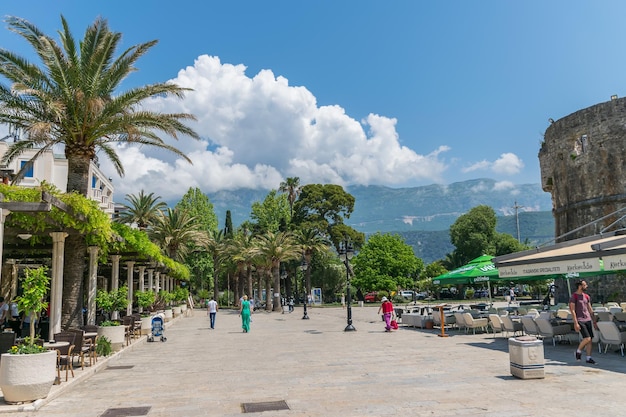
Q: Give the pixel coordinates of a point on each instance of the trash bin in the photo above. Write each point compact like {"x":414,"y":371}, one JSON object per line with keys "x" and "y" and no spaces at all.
{"x":526,"y":357}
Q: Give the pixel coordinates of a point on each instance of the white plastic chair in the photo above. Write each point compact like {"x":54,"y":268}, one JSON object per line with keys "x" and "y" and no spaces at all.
{"x":511,"y":326}
{"x":547,"y":330}
{"x":496,"y":324}
{"x":472,"y":323}
{"x":530,"y":327}
{"x":610,"y":335}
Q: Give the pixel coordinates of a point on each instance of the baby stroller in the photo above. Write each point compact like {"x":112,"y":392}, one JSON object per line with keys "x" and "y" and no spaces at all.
{"x":157,"y":328}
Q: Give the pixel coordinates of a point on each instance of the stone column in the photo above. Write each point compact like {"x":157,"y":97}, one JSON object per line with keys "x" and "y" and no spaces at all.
{"x":129,"y":266}
{"x":93,"y":285}
{"x":162,"y":283}
{"x":157,"y":287}
{"x":141,"y":286}
{"x":56,"y":286}
{"x":115,"y":279}
{"x":150,"y":280}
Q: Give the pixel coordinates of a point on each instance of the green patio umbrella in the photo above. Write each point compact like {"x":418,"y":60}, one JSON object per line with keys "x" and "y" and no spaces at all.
{"x":477,"y":270}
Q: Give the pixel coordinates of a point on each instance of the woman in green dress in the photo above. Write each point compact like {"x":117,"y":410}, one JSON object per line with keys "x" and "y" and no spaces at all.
{"x":244,"y":312}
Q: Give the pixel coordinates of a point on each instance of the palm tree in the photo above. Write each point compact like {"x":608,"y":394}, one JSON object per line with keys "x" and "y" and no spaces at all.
{"x":292,"y":187}
{"x":142,"y":209}
{"x":176,"y":232}
{"x":73,"y":100}
{"x":310,"y":241}
{"x":238,"y":249}
{"x":216,"y":246}
{"x":275,"y":248}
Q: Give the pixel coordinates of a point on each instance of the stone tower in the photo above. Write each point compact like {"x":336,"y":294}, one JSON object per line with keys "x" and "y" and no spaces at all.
{"x":583,"y":166}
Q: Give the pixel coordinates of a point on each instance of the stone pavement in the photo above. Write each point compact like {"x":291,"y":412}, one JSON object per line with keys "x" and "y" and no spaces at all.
{"x":319,"y":370}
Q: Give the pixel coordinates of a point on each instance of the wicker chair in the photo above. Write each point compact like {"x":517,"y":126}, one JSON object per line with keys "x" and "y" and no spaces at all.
{"x":64,"y":361}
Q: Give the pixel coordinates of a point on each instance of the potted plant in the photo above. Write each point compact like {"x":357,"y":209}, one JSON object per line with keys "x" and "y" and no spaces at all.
{"x":182,"y":294}
{"x":111,"y":301}
{"x":167,"y":298}
{"x":28,"y":371}
{"x":178,"y":295}
{"x":145,"y":300}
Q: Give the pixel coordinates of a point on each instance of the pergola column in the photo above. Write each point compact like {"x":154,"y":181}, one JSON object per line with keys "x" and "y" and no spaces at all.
{"x":150,"y":280}
{"x":92,"y":285}
{"x":157,"y":287}
{"x":3,"y":215}
{"x":142,"y":286}
{"x":129,"y":266}
{"x":162,"y":283}
{"x":115,"y":279}
{"x":56,"y":286}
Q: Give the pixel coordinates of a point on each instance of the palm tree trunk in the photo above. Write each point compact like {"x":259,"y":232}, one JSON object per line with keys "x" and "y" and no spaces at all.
{"x":78,"y":164}
{"x":268,"y":291}
{"x":249,"y":277}
{"x":73,"y":270}
{"x":216,"y":293}
{"x":276,"y":276}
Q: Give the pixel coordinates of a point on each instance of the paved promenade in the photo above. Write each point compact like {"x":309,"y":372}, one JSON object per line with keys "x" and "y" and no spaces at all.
{"x":319,"y":370}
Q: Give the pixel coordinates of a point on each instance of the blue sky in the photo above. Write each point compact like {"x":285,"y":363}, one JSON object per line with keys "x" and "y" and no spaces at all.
{"x":398,"y":93}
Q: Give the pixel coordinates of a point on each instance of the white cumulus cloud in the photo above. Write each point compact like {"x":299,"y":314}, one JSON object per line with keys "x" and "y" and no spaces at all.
{"x":259,"y":130}
{"x":507,"y":164}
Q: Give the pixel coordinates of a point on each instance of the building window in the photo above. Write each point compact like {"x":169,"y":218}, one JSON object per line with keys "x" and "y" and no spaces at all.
{"x":94,"y":181}
{"x":30,"y":171}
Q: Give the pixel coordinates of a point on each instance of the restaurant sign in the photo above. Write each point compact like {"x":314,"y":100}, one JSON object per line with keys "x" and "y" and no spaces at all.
{"x":614,"y":262}
{"x":551,"y":268}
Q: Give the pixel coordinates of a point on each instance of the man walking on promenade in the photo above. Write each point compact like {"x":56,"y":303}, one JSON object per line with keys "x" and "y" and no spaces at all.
{"x":584,"y":319}
{"x":212,"y":311}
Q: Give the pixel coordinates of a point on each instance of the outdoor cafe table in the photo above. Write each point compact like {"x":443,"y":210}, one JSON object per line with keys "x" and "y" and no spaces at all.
{"x":55,"y":345}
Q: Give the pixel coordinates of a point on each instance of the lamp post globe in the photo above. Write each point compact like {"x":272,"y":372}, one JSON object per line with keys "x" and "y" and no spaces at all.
{"x":346,"y":252}
{"x":303,"y":267}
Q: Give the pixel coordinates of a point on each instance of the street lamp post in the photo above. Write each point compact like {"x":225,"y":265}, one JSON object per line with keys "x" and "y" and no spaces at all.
{"x":303,"y":267}
{"x":346,"y":252}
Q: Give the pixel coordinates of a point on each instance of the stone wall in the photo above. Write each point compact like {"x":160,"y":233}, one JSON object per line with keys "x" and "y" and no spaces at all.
{"x":582,"y":165}
{"x":582,"y":162}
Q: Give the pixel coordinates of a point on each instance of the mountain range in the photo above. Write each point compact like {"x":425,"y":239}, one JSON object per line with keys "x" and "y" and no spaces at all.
{"x":423,"y":215}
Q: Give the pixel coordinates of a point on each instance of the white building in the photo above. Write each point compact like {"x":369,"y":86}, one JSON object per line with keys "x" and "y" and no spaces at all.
{"x":52,"y":168}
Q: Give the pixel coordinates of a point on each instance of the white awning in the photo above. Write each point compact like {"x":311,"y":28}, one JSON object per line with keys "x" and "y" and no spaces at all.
{"x":594,"y":254}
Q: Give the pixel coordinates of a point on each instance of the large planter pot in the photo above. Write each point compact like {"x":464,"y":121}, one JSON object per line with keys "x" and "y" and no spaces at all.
{"x":115,"y":334}
{"x":168,"y":314}
{"x":183,"y":308}
{"x":146,"y":325}
{"x":176,"y":311}
{"x":25,"y":378}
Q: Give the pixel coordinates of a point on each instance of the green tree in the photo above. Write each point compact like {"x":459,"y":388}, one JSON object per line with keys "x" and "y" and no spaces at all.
{"x":473,"y":234}
{"x":216,"y":246}
{"x":74,"y":99}
{"x":228,"y":225}
{"x":198,"y":206}
{"x":271,"y":213}
{"x":275,"y":248}
{"x":177,"y":232}
{"x":35,"y":285}
{"x":311,"y":242}
{"x":385,"y":262}
{"x":291,"y":186}
{"x":505,"y":244}
{"x":141,"y":209}
{"x":324,"y":207}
